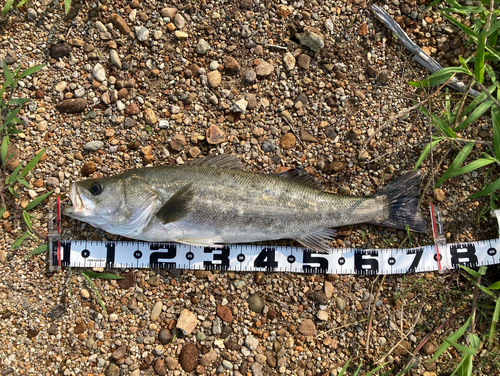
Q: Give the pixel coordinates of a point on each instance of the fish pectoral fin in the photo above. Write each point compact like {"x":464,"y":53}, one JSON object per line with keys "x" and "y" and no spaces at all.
{"x":202,"y":242}
{"x":221,"y":161}
{"x":178,"y":206}
{"x":318,"y":240}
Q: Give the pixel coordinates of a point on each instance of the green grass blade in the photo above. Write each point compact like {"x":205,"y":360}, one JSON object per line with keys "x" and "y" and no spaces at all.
{"x":462,"y":348}
{"x":17,"y":243}
{"x":473,"y":35}
{"x":495,"y":123}
{"x":2,"y":210}
{"x":32,"y":163}
{"x":453,"y":170}
{"x":19,"y":101}
{"x":376,"y":369}
{"x":480,"y":109}
{"x":40,"y":249}
{"x":24,"y":182}
{"x":493,"y":52}
{"x":342,"y":371}
{"x":442,"y":126}
{"x":27,"y":220}
{"x":7,"y":6}
{"x":439,"y":77}
{"x":37,"y":201}
{"x":478,"y":100}
{"x":93,"y":274}
{"x":494,"y":286}
{"x":101,"y":303}
{"x":67,"y":4}
{"x":489,"y":189}
{"x":3,"y":149}
{"x":12,"y":114}
{"x":427,"y":150}
{"x":452,"y":337}
{"x":10,"y":179}
{"x":31,"y":70}
{"x":7,"y":73}
{"x":471,"y":271}
{"x":479,"y":63}
{"x":494,"y":322}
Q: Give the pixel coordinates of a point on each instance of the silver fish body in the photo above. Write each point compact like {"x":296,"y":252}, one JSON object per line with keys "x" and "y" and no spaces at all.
{"x":215,"y":202}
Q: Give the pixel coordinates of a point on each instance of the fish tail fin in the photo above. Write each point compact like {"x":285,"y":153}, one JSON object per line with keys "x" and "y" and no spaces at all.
{"x":402,"y":201}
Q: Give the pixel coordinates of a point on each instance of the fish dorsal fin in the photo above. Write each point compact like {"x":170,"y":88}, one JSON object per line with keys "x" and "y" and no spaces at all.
{"x":318,"y":240}
{"x":300,"y":177}
{"x":220,"y":161}
{"x":178,"y":206}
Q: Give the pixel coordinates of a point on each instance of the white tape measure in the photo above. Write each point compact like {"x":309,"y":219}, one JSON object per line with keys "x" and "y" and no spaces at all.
{"x":134,"y":254}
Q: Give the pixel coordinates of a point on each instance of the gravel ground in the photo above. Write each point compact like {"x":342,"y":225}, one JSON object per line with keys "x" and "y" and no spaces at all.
{"x":305,"y":84}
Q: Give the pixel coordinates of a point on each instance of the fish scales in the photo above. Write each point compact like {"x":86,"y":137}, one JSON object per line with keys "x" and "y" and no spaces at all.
{"x":207,"y":204}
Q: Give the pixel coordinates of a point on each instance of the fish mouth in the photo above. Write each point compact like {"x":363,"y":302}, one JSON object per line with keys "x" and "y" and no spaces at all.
{"x":78,"y":208}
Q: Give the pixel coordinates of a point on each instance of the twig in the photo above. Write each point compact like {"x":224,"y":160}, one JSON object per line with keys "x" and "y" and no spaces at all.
{"x":489,"y":95}
{"x":369,"y":329}
{"x":339,"y":327}
{"x":275,"y":46}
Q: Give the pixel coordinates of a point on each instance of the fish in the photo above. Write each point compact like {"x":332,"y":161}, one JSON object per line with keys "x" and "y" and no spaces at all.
{"x":214,"y":201}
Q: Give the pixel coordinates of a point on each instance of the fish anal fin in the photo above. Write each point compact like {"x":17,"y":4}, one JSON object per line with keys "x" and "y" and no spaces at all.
{"x":178,"y":206}
{"x":202,"y":242}
{"x":318,"y":240}
{"x":300,"y":177}
{"x":220,"y":161}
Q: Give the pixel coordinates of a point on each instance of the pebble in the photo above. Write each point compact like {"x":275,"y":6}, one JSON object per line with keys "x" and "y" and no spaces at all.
{"x":60,"y":50}
{"x":215,"y":135}
{"x":187,"y":321}
{"x":240,"y":106}
{"x":160,"y":367}
{"x":149,"y":116}
{"x":322,"y":315}
{"x":115,"y":59}
{"x":251,"y":342}
{"x":439,"y":195}
{"x":264,"y":69}
{"x":202,"y":47}
{"x":288,"y":141}
{"x":231,"y":65}
{"x":94,"y":145}
{"x":156,"y":311}
{"x":340,"y":303}
{"x":99,"y":72}
{"x":141,"y":33}
{"x":255,"y":303}
{"x":328,"y":289}
{"x":120,"y":24}
{"x":304,"y":61}
{"x":289,"y":61}
{"x":312,"y":38}
{"x":224,"y":312}
{"x":31,"y":14}
{"x":250,"y":76}
{"x":84,"y":294}
{"x":181,"y":35}
{"x":188,"y":357}
{"x":214,"y":78}
{"x":119,"y":352}
{"x":72,"y":106}
{"x":308,"y":328}
{"x":179,"y":21}
{"x":208,"y":358}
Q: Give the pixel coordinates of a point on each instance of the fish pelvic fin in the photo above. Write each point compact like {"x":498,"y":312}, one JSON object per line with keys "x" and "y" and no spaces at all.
{"x":178,"y":206}
{"x":318,"y":240}
{"x":402,"y":203}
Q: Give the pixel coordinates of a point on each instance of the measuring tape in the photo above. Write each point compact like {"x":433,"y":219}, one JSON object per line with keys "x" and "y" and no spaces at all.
{"x":134,"y":254}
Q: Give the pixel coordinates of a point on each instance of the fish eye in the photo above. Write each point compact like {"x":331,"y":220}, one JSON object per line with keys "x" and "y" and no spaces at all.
{"x":96,"y":188}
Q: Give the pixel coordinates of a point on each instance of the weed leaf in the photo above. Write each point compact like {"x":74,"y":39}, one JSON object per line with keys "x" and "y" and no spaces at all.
{"x":37,"y":201}
{"x":489,"y":189}
{"x":93,"y":274}
{"x":32,"y":163}
{"x":40,"y":249}
{"x":3,"y":149}
{"x":31,"y":70}
{"x":17,"y":243}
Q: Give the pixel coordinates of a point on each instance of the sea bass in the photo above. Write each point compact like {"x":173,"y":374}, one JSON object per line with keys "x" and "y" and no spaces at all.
{"x":213,"y":201}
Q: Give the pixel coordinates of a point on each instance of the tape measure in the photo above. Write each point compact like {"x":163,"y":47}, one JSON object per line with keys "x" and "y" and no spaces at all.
{"x":135,"y":254}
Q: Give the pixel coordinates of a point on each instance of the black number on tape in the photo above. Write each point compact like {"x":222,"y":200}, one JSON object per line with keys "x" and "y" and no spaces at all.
{"x":223,"y":257}
{"x":309,"y":259}
{"x":155,"y":257}
{"x":265,"y":259}
{"x":491,"y":251}
{"x":290,"y":259}
{"x":137,"y":254}
{"x":190,"y":256}
{"x":391,"y":261}
{"x":463,"y":254}
{"x":85,"y":253}
{"x":416,"y":260}
{"x":341,"y":261}
{"x":241,"y":257}
{"x":365,"y":263}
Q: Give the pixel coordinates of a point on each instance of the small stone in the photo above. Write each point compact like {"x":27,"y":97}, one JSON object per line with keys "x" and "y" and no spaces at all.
{"x":224,"y":312}
{"x":340,"y":303}
{"x":159,"y":367}
{"x":179,"y":21}
{"x":94,"y":145}
{"x":251,"y":342}
{"x":231,"y":65}
{"x":240,"y":106}
{"x":194,"y":152}
{"x":372,"y":72}
{"x":403,"y":348}
{"x":264,"y":69}
{"x":188,"y":357}
{"x":88,"y":169}
{"x":60,"y":50}
{"x":150,"y":116}
{"x":286,"y":114}
{"x":439,"y":195}
{"x":340,"y":75}
{"x":14,"y":161}
{"x":363,"y":155}
{"x":284,"y":10}
{"x":322,"y":315}
{"x":304,"y":61}
{"x":289,"y":61}
{"x":120,"y":24}
{"x":306,"y":136}
{"x":287,"y":141}
{"x":141,"y":33}
{"x":255,"y":303}
{"x":312,"y":38}
{"x":187,"y":321}
{"x":181,"y":35}
{"x":99,"y":72}
{"x":113,"y":317}
{"x":168,"y":12}
{"x":84,"y":294}
{"x":202,"y":47}
{"x":171,"y":363}
{"x":164,"y":336}
{"x":214,"y":135}
{"x":72,"y":106}
{"x":132,"y":109}
{"x":214,"y":78}
{"x":385,"y":76}
{"x":208,"y":358}
{"x":250,"y":76}
{"x":328,"y":288}
{"x":156,"y":311}
{"x":318,"y":296}
{"x":429,"y":348}
{"x":252,"y":101}
{"x":119,"y":352}
{"x":61,"y":86}
{"x":31,"y":14}
{"x":112,"y":370}
{"x":80,"y":328}
{"x":178,"y":142}
{"x":307,"y":328}
{"x":115,"y":59}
